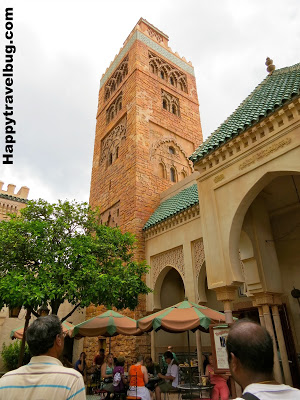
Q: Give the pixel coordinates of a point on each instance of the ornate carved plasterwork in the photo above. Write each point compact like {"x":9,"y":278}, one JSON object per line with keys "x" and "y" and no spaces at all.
{"x":155,"y":35}
{"x":111,"y":143}
{"x":167,"y":72}
{"x":198,"y":255}
{"x":171,"y":258}
{"x":219,"y":178}
{"x":116,"y":78}
{"x":169,"y":154}
{"x":265,"y":152}
{"x":114,"y":108}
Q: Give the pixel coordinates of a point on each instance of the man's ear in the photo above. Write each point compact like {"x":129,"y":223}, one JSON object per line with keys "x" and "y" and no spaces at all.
{"x":234,"y":362}
{"x":59,"y":340}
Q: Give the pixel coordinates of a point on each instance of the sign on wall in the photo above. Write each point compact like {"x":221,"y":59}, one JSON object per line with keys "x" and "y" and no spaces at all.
{"x":218,"y":335}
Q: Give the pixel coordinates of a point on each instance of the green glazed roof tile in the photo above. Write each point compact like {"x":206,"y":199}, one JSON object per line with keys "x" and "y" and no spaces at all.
{"x":174,"y":205}
{"x":14,"y":198}
{"x":273,"y":92}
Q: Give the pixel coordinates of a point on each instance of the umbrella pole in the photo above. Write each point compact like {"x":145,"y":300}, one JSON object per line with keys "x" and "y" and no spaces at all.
{"x":189,"y":360}
{"x":199,"y":353}
{"x":109,"y":345}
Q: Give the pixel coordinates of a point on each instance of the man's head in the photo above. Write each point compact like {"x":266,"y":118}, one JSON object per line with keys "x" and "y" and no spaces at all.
{"x":168,"y":357}
{"x":170,"y":348}
{"x":45,"y":336}
{"x":148,"y":361}
{"x":250,"y":351}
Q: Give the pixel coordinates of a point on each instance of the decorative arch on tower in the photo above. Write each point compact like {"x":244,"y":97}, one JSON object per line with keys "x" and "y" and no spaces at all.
{"x":111,"y":143}
{"x":167,"y":156}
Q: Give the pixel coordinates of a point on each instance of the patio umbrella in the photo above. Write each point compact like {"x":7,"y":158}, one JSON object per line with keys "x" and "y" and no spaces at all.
{"x":108,"y":324}
{"x":182,"y":317}
{"x":18,"y":332}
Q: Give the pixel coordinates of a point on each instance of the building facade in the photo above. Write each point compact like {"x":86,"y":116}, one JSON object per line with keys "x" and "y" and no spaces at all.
{"x":219,"y":224}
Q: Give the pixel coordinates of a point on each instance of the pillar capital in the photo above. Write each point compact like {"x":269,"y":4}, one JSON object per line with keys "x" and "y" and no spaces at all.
{"x":266,"y":298}
{"x":226,"y":293}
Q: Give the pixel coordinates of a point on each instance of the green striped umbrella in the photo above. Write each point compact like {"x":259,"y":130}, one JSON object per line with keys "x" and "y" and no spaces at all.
{"x":181,"y":317}
{"x":108,"y":324}
{"x":18,"y":332}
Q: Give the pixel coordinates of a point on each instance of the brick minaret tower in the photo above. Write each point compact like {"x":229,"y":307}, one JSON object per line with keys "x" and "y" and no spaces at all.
{"x":148,"y":123}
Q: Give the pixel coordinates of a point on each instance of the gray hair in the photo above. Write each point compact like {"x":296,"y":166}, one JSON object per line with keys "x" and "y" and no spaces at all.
{"x":42,"y":333}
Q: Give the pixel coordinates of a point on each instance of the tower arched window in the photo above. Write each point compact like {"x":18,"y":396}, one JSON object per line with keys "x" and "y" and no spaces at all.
{"x":110,"y":159}
{"x":162,"y":74}
{"x":172,"y":174}
{"x":165,"y":104}
{"x":117,"y":152}
{"x":174,"y":109}
{"x":171,"y":150}
{"x":172,"y":81}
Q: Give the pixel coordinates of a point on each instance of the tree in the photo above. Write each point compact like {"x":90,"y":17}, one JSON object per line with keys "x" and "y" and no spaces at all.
{"x":56,"y":252}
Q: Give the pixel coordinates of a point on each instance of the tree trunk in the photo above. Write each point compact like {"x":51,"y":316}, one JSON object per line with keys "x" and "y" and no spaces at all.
{"x":21,"y":355}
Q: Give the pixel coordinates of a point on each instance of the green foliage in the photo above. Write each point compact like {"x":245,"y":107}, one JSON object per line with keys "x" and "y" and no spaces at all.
{"x":10,"y":355}
{"x":57,"y":252}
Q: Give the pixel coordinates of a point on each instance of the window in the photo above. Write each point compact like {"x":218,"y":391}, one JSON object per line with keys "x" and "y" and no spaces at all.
{"x":165,"y":105}
{"x":172,"y":81}
{"x":110,"y":160}
{"x":173,"y":174}
{"x":174,"y":109}
{"x":117,"y":152}
{"x":162,"y":75}
{"x":171,"y":150}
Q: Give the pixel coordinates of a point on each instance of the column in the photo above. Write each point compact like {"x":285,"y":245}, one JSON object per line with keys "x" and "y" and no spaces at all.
{"x":261,"y":316}
{"x":281,"y":344}
{"x":226,"y":294}
{"x":269,"y":327}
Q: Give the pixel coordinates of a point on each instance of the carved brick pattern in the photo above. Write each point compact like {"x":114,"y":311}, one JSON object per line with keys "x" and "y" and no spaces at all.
{"x":111,"y":216}
{"x":160,"y":152}
{"x":171,"y":258}
{"x":111,"y":143}
{"x":167,"y":72}
{"x":114,"y":108}
{"x":170,"y":103}
{"x":154,"y":35}
{"x":116,"y":78}
{"x":199,"y":256}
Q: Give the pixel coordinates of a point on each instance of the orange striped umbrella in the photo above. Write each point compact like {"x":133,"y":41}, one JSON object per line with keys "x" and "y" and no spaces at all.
{"x":18,"y":332}
{"x":181,"y":317}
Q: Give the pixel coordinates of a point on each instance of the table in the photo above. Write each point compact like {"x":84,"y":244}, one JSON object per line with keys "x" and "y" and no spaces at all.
{"x":186,"y":388}
{"x":187,"y":371}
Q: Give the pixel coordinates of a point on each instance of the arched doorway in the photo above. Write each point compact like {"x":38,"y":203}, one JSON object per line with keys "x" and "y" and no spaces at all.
{"x":268,"y":222}
{"x":169,"y":290}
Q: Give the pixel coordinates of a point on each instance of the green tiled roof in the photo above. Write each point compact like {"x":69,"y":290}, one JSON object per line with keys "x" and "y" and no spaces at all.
{"x":13,"y":198}
{"x":174,"y":205}
{"x":272,"y":93}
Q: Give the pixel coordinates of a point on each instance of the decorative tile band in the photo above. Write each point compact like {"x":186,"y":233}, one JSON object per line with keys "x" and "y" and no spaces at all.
{"x":154,"y":46}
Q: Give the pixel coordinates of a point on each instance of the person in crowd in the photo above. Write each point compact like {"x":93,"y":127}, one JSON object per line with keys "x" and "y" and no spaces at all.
{"x":251,"y":360}
{"x":119,"y":379}
{"x":81,"y":366}
{"x":138,"y":378}
{"x":99,"y":358}
{"x":44,"y":377}
{"x":153,"y":369}
{"x":220,"y":389}
{"x":164,"y":363}
{"x":107,"y":374}
{"x":170,"y":378}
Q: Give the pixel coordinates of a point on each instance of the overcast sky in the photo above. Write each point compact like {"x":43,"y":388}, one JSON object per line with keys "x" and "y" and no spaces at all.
{"x":64,"y":47}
